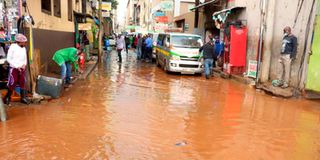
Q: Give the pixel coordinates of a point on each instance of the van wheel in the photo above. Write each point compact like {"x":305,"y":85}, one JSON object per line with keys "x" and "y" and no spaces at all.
{"x":157,"y":62}
{"x":165,"y":67}
{"x":198,"y":74}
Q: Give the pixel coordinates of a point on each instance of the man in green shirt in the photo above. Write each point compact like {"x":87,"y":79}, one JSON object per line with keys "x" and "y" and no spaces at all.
{"x":64,"y":58}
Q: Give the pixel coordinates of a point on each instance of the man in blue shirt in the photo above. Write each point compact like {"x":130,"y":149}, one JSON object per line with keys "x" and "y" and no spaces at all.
{"x":288,"y":54}
{"x":148,"y":49}
{"x":219,"y":46}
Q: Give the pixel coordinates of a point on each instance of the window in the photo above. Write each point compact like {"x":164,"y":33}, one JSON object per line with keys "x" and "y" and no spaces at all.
{"x":180,"y":24}
{"x":70,"y":10}
{"x":46,"y":6}
{"x":186,"y":41}
{"x":161,"y":38}
{"x":57,"y":8}
{"x":167,"y":39}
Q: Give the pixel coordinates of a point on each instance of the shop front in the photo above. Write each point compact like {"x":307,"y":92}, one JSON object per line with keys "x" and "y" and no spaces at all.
{"x":86,"y":33}
{"x":233,"y":32}
{"x":9,"y":16}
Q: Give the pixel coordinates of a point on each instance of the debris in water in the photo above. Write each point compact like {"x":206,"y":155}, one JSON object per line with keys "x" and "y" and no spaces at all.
{"x":69,"y":100}
{"x":180,"y":144}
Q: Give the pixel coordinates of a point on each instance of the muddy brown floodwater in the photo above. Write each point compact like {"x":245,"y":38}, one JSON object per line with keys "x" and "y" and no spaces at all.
{"x":135,"y":111}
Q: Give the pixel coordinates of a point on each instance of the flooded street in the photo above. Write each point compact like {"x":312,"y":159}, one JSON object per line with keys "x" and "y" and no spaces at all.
{"x":135,"y":110}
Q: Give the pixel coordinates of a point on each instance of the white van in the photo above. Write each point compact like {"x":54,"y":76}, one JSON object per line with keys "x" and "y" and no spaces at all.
{"x":178,"y":52}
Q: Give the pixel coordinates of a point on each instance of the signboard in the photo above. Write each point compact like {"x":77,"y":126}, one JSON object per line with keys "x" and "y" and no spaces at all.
{"x":158,"y":14}
{"x":105,"y":14}
{"x":162,"y":19}
{"x":160,"y":27}
{"x":186,"y":27}
{"x":133,"y":27}
{"x":252,"y":70}
{"x":84,"y":26}
{"x":106,"y":6}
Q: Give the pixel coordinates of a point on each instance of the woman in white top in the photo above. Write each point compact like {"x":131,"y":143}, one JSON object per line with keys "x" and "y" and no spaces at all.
{"x":120,"y":46}
{"x":17,"y":58}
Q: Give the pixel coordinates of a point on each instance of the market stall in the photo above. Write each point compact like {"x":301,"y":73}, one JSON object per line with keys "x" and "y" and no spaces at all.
{"x":4,"y":45}
{"x":9,"y":16}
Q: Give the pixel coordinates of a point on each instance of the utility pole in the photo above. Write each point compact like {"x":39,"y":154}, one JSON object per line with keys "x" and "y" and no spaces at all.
{"x":100,"y":33}
{"x":196,"y":16}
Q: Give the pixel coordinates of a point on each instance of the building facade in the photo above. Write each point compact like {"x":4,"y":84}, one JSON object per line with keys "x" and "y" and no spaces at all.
{"x":150,"y":16}
{"x":54,"y":27}
{"x":184,"y":17}
{"x":265,"y":21}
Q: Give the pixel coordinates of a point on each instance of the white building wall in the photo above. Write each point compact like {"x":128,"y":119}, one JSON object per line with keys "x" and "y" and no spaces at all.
{"x":284,"y":13}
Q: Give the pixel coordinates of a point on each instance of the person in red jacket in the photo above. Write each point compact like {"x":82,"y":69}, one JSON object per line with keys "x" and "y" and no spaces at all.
{"x":135,"y":43}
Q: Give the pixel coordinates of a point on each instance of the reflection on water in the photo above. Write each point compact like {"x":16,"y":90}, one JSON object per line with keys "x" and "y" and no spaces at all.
{"x":134,"y":110}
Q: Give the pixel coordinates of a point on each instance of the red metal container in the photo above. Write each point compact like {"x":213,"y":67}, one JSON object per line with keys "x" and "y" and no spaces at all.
{"x":82,"y":61}
{"x":235,"y":50}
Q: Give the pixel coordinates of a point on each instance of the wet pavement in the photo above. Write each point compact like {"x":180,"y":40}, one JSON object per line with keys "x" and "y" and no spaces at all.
{"x":136,"y":111}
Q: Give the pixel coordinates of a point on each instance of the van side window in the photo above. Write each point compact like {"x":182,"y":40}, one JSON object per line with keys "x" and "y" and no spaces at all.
{"x":160,"y":39}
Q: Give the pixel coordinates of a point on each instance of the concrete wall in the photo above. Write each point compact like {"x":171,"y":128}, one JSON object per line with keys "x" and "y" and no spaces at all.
{"x":49,"y":42}
{"x":129,"y":12}
{"x":51,"y":22}
{"x":130,"y":15}
{"x":280,"y":13}
{"x":52,"y":33}
{"x":285,"y":15}
{"x":188,"y":19}
{"x":184,"y":7}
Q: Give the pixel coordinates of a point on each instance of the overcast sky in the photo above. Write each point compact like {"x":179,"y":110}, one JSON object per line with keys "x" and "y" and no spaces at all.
{"x":122,"y":10}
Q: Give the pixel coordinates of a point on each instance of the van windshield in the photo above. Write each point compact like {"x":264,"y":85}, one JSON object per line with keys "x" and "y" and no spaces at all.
{"x":186,"y":41}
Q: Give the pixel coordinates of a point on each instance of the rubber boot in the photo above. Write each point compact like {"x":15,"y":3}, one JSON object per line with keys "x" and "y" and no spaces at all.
{"x":24,"y":99}
{"x":7,"y":98}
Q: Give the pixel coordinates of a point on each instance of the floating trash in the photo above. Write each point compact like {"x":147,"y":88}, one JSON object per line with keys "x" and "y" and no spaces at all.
{"x":180,"y":144}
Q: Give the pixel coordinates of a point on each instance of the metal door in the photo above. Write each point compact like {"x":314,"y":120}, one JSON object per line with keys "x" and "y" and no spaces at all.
{"x":313,"y":76}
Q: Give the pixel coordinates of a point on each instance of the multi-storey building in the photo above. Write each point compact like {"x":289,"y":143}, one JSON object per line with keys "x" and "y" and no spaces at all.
{"x":146,"y":15}
{"x":54,"y":26}
{"x":184,"y":17}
